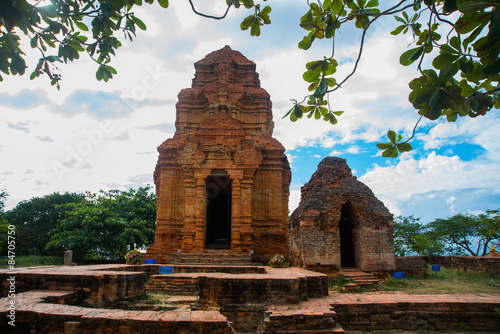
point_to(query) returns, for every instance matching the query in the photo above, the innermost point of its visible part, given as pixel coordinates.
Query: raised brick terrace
(240, 299)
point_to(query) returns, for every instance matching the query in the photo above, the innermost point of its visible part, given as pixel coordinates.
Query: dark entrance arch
(347, 258)
(218, 192)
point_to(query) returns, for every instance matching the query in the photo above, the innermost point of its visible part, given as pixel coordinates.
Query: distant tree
(107, 224)
(3, 197)
(469, 233)
(414, 238)
(3, 224)
(34, 220)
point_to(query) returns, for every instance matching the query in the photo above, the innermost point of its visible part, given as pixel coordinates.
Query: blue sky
(93, 135)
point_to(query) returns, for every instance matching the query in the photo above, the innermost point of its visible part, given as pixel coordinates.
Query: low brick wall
(490, 265)
(431, 316)
(414, 266)
(41, 318)
(216, 291)
(94, 288)
(418, 265)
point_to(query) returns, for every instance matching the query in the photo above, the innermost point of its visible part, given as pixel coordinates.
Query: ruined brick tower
(340, 223)
(222, 181)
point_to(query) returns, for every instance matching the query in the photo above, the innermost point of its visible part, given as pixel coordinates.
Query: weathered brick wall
(94, 289)
(332, 199)
(216, 292)
(431, 316)
(412, 266)
(489, 265)
(418, 265)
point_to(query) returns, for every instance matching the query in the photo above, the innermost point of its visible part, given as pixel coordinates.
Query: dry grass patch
(446, 281)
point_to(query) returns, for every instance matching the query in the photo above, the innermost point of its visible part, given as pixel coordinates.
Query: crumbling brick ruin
(222, 181)
(340, 223)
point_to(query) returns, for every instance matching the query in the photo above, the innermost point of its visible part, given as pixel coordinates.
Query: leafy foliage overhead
(465, 73)
(461, 37)
(63, 30)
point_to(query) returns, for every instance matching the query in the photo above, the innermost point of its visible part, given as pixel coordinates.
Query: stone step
(356, 278)
(174, 285)
(300, 318)
(210, 258)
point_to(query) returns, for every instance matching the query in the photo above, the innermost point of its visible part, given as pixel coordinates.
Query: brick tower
(222, 181)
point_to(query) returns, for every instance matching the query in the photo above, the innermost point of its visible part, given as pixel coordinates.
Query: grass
(446, 281)
(31, 261)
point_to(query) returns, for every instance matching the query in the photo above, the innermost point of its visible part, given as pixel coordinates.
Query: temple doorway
(218, 192)
(347, 258)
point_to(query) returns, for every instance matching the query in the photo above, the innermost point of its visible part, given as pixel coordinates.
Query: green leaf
(398, 30)
(111, 69)
(255, 29)
(443, 59)
(404, 147)
(99, 74)
(310, 76)
(266, 10)
(493, 68)
(307, 41)
(322, 89)
(392, 136)
(163, 3)
(245, 24)
(467, 23)
(408, 57)
(436, 99)
(447, 73)
(139, 23)
(391, 152)
(81, 25)
(17, 65)
(450, 5)
(384, 146)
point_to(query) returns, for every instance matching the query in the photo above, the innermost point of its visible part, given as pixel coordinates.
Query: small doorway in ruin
(218, 193)
(347, 256)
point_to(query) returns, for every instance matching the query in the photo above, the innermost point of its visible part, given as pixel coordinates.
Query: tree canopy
(461, 234)
(459, 38)
(35, 219)
(469, 234)
(411, 237)
(108, 224)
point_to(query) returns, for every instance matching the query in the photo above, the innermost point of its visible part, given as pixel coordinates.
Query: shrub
(278, 261)
(134, 257)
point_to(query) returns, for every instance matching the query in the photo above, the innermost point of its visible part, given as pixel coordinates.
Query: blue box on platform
(150, 261)
(399, 275)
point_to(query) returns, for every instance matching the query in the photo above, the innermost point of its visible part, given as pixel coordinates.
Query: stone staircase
(185, 285)
(356, 279)
(211, 258)
(312, 316)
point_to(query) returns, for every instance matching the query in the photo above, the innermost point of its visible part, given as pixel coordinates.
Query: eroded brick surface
(222, 144)
(337, 210)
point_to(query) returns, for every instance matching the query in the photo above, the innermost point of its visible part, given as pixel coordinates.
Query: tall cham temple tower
(222, 181)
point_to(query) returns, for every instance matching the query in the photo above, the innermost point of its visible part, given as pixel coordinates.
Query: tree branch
(210, 16)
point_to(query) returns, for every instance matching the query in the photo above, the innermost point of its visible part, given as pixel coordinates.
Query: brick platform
(370, 312)
(238, 294)
(35, 316)
(288, 300)
(389, 312)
